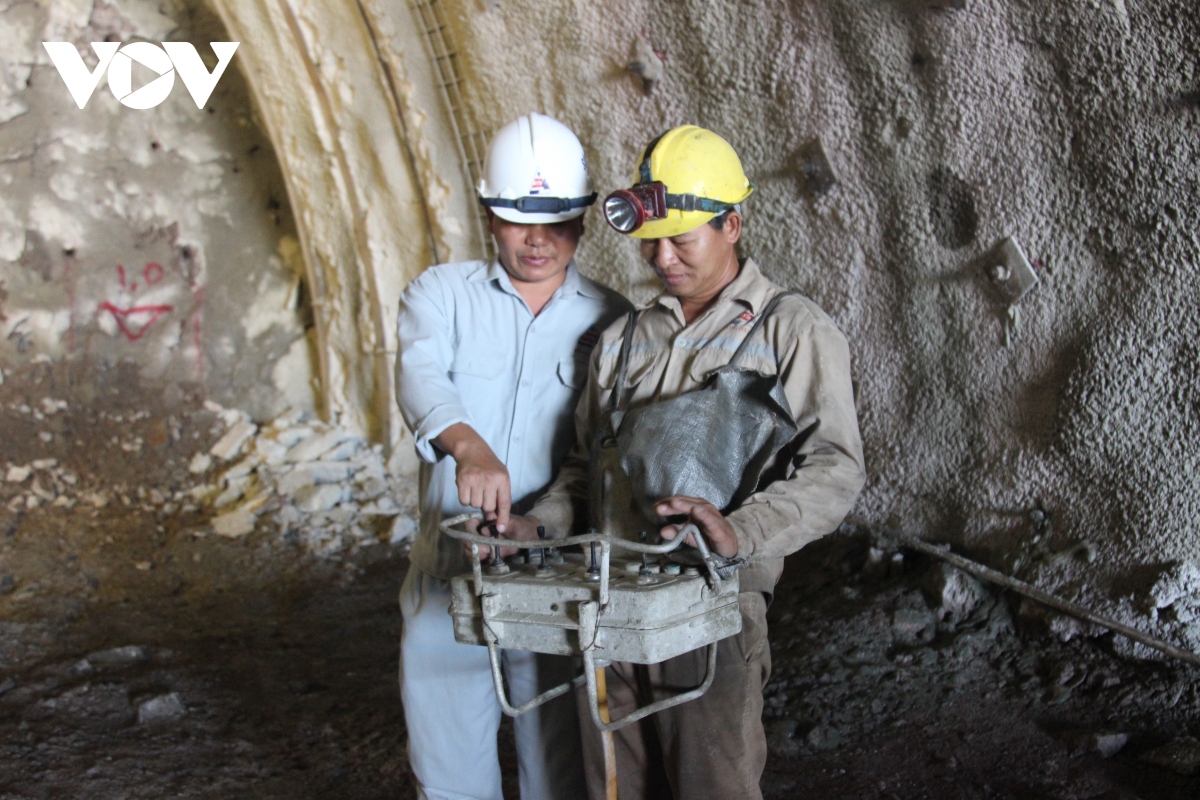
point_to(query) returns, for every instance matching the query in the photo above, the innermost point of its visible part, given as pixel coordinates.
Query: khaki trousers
(711, 747)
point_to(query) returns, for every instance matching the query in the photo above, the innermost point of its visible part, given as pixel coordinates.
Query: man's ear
(733, 227)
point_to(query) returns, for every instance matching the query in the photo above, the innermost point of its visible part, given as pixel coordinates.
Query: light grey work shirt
(471, 351)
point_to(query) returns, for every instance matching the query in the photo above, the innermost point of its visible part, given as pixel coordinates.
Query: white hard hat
(535, 172)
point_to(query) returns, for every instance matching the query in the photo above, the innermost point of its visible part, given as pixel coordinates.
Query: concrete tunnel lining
(1059, 443)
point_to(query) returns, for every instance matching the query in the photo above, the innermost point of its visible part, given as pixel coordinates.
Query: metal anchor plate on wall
(1009, 271)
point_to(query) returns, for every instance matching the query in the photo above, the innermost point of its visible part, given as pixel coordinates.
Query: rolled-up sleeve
(827, 469)
(428, 399)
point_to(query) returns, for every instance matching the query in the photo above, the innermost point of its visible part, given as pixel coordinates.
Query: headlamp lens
(624, 211)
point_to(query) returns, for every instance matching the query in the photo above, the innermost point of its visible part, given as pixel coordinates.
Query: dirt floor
(142, 656)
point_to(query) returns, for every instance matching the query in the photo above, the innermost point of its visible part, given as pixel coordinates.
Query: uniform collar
(574, 283)
(750, 288)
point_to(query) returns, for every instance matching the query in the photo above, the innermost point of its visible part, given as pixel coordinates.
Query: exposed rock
(1109, 744)
(403, 529)
(119, 656)
(313, 476)
(18, 474)
(953, 593)
(1180, 581)
(200, 463)
(234, 439)
(316, 446)
(314, 473)
(824, 737)
(320, 498)
(383, 507)
(234, 524)
(161, 709)
(913, 626)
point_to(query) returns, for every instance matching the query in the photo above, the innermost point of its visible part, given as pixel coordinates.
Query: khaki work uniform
(715, 746)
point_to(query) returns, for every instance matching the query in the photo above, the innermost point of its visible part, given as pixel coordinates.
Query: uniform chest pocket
(478, 362)
(710, 359)
(642, 364)
(573, 372)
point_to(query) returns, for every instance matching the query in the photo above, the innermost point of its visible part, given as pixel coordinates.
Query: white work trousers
(452, 714)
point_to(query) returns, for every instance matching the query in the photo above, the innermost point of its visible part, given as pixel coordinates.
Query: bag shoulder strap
(766, 312)
(623, 361)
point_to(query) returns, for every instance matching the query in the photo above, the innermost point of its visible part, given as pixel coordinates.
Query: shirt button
(526, 384)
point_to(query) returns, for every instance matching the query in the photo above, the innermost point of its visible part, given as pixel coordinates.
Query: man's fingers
(489, 500)
(503, 508)
(679, 505)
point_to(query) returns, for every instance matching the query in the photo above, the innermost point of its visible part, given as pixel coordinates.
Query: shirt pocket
(710, 359)
(478, 362)
(573, 372)
(642, 364)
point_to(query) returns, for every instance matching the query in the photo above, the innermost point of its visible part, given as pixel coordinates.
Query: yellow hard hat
(685, 177)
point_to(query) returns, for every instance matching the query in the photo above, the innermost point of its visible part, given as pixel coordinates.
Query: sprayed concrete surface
(1072, 127)
(162, 237)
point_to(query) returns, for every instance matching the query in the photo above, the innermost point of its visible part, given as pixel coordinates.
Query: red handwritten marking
(121, 272)
(122, 316)
(153, 273)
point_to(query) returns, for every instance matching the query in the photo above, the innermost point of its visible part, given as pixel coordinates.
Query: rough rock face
(160, 236)
(1072, 127)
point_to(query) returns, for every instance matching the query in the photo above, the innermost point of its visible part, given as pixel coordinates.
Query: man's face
(535, 253)
(696, 265)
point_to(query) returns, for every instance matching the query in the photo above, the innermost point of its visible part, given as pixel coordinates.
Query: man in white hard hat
(492, 359)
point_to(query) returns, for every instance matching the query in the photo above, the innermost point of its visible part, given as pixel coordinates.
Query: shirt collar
(574, 283)
(750, 288)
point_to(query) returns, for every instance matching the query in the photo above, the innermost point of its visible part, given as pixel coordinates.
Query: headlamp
(629, 209)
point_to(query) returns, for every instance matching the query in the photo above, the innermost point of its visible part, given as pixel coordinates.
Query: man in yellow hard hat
(716, 314)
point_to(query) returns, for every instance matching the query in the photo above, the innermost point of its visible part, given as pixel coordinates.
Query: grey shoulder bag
(713, 442)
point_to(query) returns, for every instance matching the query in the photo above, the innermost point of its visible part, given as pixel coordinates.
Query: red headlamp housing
(629, 209)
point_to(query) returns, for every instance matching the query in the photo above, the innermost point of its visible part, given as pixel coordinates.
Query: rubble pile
(318, 483)
(867, 639)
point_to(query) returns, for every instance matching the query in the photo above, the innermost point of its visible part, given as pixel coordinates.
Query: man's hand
(482, 478)
(704, 515)
(521, 529)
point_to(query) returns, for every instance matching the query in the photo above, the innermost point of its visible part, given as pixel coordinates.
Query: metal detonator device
(595, 604)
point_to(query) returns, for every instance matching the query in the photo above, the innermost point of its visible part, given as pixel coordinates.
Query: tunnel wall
(162, 237)
(1067, 450)
(1057, 438)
